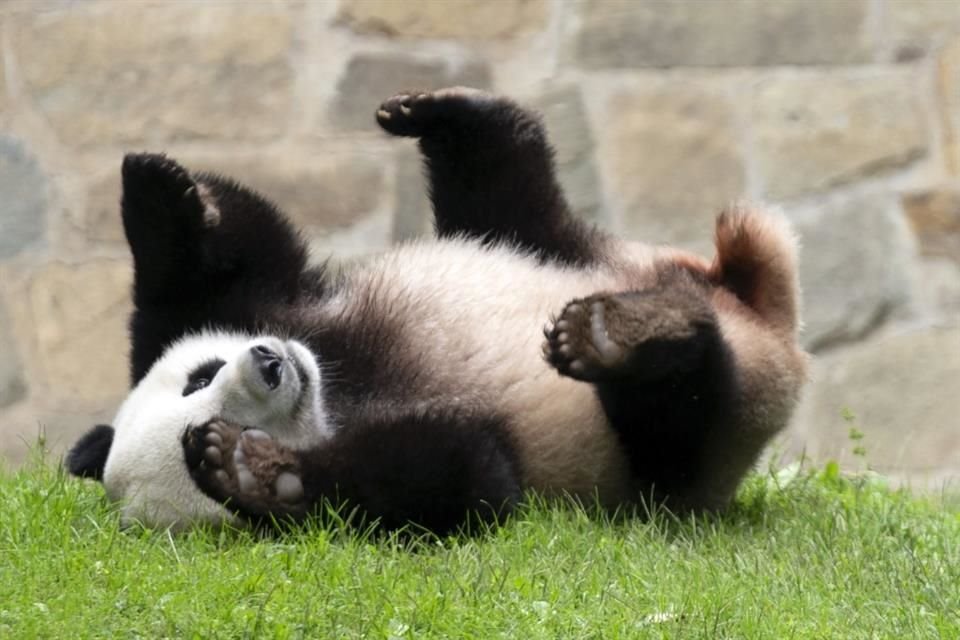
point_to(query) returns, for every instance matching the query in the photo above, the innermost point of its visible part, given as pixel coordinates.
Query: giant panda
(519, 349)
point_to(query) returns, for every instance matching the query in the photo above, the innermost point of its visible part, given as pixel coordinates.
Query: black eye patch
(202, 375)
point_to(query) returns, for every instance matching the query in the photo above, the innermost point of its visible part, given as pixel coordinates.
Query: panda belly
(471, 319)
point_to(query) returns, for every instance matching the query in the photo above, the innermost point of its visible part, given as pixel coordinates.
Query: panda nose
(269, 363)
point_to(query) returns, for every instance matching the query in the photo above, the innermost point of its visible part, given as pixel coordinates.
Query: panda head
(262, 382)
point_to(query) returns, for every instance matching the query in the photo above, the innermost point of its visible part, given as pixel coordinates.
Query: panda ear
(88, 456)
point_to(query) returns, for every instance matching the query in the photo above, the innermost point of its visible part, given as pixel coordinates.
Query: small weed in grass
(802, 554)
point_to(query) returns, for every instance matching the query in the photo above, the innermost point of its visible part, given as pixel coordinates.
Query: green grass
(822, 557)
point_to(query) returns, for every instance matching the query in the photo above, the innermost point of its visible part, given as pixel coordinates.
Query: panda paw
(154, 176)
(414, 113)
(645, 335)
(579, 345)
(246, 469)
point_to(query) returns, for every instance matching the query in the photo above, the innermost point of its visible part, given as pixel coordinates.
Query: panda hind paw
(578, 344)
(244, 468)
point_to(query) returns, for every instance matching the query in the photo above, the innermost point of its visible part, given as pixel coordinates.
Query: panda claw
(213, 438)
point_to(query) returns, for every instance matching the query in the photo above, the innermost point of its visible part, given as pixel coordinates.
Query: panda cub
(435, 383)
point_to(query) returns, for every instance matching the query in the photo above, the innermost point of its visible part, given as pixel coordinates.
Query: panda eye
(195, 385)
(202, 376)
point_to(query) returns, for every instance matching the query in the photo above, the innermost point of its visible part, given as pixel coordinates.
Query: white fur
(145, 470)
(475, 316)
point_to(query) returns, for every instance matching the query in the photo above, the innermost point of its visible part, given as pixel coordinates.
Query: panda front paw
(158, 181)
(245, 469)
(415, 113)
(579, 345)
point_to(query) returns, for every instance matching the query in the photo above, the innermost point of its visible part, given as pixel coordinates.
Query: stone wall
(846, 113)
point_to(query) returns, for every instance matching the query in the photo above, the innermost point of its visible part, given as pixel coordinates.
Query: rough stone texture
(949, 84)
(674, 160)
(855, 267)
(627, 33)
(937, 288)
(904, 395)
(102, 222)
(913, 27)
(470, 20)
(414, 214)
(934, 216)
(126, 73)
(818, 130)
(23, 202)
(369, 78)
(323, 191)
(13, 387)
(60, 423)
(78, 316)
(566, 120)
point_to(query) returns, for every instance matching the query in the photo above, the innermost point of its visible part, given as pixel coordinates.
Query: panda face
(262, 382)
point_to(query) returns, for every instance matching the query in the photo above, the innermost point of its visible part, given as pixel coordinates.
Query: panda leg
(205, 252)
(491, 171)
(663, 372)
(442, 473)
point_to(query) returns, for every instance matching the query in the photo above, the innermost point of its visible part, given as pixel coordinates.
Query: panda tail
(757, 261)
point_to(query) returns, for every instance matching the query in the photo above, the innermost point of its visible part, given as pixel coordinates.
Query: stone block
(902, 392)
(23, 207)
(565, 117)
(728, 33)
(102, 223)
(60, 423)
(817, 130)
(78, 318)
(470, 20)
(914, 27)
(134, 73)
(855, 267)
(414, 213)
(934, 215)
(672, 158)
(321, 191)
(949, 84)
(13, 385)
(369, 78)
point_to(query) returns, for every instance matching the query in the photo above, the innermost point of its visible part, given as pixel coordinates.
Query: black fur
(437, 470)
(190, 273)
(491, 172)
(89, 455)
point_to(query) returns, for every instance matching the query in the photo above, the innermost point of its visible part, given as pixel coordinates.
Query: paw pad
(578, 345)
(246, 466)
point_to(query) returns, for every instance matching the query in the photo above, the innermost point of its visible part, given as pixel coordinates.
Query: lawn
(808, 554)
